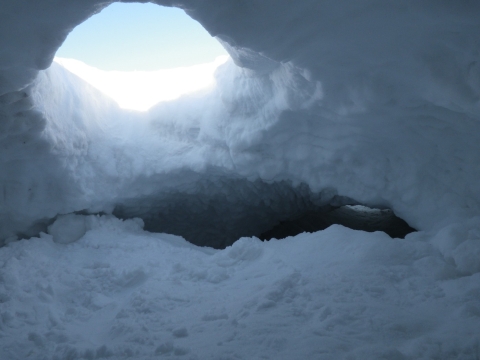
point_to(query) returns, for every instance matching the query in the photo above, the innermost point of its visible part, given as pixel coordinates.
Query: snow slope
(123, 293)
(368, 102)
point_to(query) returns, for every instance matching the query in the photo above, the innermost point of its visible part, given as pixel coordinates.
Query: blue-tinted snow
(374, 101)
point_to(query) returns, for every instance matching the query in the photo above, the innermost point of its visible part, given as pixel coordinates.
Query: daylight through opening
(142, 54)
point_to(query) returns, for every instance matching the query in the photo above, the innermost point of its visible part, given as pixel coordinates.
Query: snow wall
(323, 102)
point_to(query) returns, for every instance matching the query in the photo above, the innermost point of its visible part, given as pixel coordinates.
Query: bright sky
(144, 37)
(141, 54)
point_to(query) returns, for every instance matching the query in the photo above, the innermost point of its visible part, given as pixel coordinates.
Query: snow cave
(346, 133)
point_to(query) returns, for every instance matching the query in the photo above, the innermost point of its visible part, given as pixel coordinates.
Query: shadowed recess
(228, 209)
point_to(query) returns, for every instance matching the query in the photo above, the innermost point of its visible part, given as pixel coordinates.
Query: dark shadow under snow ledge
(355, 217)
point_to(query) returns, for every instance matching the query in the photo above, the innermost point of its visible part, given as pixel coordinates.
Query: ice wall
(377, 101)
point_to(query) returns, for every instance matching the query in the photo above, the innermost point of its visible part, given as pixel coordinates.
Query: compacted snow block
(68, 228)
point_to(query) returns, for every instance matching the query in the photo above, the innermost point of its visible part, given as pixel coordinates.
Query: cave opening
(217, 212)
(142, 54)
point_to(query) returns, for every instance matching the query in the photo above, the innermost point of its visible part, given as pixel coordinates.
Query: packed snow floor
(120, 292)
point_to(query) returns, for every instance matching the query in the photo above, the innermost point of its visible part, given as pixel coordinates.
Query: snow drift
(323, 103)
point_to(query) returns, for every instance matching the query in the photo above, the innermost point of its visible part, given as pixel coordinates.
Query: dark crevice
(353, 217)
(218, 211)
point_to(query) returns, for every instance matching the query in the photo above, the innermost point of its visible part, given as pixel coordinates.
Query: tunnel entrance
(216, 212)
(142, 54)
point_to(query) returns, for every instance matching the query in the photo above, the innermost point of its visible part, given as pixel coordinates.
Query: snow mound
(68, 228)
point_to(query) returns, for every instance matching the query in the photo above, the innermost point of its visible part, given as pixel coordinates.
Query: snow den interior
(207, 195)
(322, 104)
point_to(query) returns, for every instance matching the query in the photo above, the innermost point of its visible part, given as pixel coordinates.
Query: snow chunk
(68, 228)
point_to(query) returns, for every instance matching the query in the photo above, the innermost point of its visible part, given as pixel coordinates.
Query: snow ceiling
(325, 102)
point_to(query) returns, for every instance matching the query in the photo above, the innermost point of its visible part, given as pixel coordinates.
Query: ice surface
(375, 102)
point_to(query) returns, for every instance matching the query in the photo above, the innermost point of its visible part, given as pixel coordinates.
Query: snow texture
(323, 102)
(120, 293)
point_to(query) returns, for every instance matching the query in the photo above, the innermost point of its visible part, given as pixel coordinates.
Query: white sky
(143, 37)
(141, 54)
